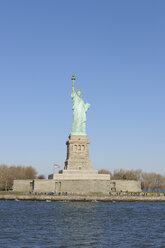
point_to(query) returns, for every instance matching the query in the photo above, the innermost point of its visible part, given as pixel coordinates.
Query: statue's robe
(79, 114)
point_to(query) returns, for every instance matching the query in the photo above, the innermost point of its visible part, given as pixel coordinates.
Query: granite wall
(23, 185)
(125, 185)
(72, 186)
(82, 186)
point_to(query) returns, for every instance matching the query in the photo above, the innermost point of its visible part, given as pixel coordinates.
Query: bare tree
(102, 171)
(153, 181)
(5, 177)
(8, 174)
(41, 176)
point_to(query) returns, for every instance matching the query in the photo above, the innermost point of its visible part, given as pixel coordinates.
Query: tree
(30, 173)
(102, 171)
(41, 176)
(127, 174)
(153, 181)
(5, 177)
(8, 174)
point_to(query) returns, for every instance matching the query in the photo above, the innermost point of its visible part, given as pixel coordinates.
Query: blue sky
(115, 49)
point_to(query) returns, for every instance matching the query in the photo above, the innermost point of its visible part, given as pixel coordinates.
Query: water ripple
(81, 224)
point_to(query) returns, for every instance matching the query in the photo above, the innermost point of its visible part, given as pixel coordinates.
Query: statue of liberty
(79, 111)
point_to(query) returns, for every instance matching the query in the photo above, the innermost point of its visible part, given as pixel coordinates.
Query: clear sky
(115, 48)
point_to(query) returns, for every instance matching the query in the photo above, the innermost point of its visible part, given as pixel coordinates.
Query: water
(81, 224)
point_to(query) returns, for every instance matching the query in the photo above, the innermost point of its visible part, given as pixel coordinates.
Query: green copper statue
(79, 111)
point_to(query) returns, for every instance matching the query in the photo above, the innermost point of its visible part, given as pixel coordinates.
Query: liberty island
(78, 177)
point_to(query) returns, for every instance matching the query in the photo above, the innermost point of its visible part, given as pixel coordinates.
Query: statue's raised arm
(79, 111)
(73, 83)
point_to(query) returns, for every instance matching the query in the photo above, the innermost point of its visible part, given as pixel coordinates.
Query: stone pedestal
(78, 177)
(77, 153)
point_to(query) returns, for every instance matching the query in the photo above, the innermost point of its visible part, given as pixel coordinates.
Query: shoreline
(101, 198)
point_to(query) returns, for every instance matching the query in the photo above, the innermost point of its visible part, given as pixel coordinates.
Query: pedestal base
(78, 153)
(81, 182)
(84, 172)
(80, 176)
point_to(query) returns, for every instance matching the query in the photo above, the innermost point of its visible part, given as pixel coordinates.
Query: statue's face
(79, 93)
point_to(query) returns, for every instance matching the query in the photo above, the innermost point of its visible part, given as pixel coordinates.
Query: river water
(81, 224)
